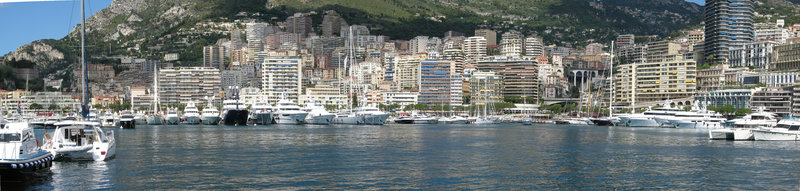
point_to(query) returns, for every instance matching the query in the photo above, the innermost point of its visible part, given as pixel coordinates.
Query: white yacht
(455, 119)
(348, 118)
(785, 130)
(108, 120)
(372, 115)
(743, 127)
(156, 118)
(139, 118)
(23, 156)
(81, 140)
(416, 119)
(172, 116)
(234, 112)
(261, 113)
(317, 114)
(127, 121)
(191, 115)
(287, 112)
(697, 120)
(210, 115)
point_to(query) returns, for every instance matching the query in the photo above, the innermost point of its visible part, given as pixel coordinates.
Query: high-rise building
(786, 56)
(214, 56)
(625, 40)
(474, 49)
(407, 72)
(282, 76)
(435, 83)
(756, 54)
(728, 25)
(489, 35)
(485, 87)
(331, 23)
(511, 43)
(185, 84)
(672, 77)
(534, 47)
(299, 23)
(594, 48)
(520, 77)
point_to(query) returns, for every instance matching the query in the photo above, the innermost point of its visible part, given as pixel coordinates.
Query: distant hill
(151, 28)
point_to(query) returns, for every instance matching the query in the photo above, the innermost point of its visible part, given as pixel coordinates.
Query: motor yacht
(416, 119)
(372, 115)
(80, 140)
(317, 115)
(155, 119)
(234, 112)
(23, 156)
(108, 120)
(743, 127)
(209, 115)
(172, 117)
(287, 112)
(455, 119)
(348, 118)
(127, 121)
(785, 130)
(191, 115)
(261, 113)
(139, 118)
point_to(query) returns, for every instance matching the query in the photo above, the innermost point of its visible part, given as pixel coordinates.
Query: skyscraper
(728, 25)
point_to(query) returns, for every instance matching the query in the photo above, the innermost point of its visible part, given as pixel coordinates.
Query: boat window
(8, 137)
(794, 128)
(785, 126)
(756, 117)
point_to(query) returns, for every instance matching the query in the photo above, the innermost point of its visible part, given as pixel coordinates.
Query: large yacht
(455, 119)
(172, 117)
(109, 120)
(287, 112)
(81, 140)
(210, 115)
(743, 127)
(261, 113)
(317, 114)
(139, 118)
(234, 112)
(416, 119)
(127, 120)
(29, 160)
(191, 115)
(347, 118)
(372, 115)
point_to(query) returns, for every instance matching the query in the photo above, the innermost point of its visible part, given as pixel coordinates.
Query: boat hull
(404, 121)
(128, 124)
(140, 121)
(235, 117)
(349, 120)
(698, 125)
(375, 119)
(213, 120)
(263, 119)
(155, 120)
(426, 121)
(743, 135)
(642, 122)
(766, 135)
(320, 119)
(292, 119)
(602, 122)
(191, 120)
(20, 169)
(173, 120)
(720, 134)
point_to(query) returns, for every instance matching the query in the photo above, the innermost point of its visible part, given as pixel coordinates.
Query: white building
(511, 44)
(400, 98)
(324, 95)
(534, 47)
(184, 84)
(474, 49)
(757, 54)
(282, 76)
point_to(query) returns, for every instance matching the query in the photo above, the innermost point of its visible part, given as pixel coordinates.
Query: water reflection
(431, 157)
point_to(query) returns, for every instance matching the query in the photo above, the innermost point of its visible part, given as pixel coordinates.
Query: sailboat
(81, 140)
(155, 118)
(348, 116)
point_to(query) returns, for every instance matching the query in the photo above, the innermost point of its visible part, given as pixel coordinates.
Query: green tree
(331, 107)
(555, 108)
(35, 106)
(53, 107)
(66, 109)
(98, 106)
(743, 111)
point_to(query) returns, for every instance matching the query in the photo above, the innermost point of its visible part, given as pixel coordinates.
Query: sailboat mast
(85, 76)
(611, 89)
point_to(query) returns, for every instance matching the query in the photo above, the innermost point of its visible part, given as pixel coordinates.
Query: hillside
(150, 28)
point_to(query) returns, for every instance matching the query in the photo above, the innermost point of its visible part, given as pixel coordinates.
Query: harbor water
(428, 157)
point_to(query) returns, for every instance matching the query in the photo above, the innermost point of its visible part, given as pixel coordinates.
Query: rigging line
(71, 16)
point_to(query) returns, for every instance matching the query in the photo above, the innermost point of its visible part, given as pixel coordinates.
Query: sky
(24, 22)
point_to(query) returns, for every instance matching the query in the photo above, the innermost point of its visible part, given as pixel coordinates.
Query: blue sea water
(428, 157)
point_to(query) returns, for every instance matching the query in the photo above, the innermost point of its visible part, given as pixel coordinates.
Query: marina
(432, 157)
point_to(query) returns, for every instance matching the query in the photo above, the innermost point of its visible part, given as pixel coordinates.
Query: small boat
(405, 119)
(424, 119)
(786, 130)
(127, 120)
(606, 121)
(743, 127)
(172, 116)
(191, 115)
(155, 119)
(81, 140)
(453, 120)
(287, 112)
(18, 136)
(317, 115)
